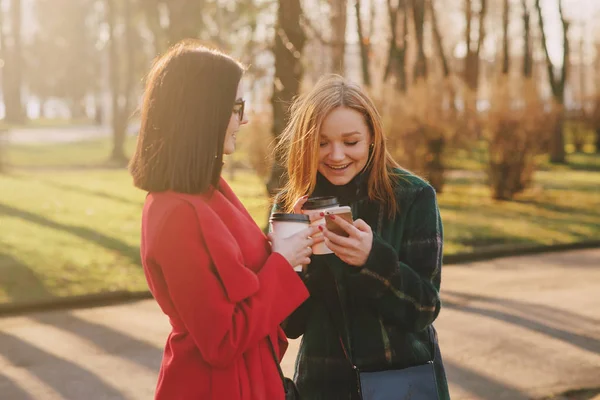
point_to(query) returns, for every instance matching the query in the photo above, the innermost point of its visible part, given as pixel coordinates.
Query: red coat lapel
(212, 211)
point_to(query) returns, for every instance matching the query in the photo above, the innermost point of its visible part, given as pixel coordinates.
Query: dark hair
(187, 105)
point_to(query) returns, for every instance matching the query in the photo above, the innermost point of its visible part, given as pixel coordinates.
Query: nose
(244, 120)
(337, 153)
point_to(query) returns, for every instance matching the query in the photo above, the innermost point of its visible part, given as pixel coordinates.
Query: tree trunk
(289, 44)
(151, 10)
(121, 92)
(527, 54)
(597, 140)
(338, 37)
(3, 140)
(396, 63)
(557, 141)
(420, 67)
(365, 46)
(41, 102)
(185, 19)
(77, 109)
(439, 45)
(505, 49)
(472, 58)
(13, 68)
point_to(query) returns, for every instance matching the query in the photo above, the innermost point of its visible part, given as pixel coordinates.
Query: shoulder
(158, 203)
(168, 210)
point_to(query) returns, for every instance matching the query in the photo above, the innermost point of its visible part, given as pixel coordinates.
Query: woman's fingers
(362, 225)
(337, 249)
(299, 203)
(345, 225)
(337, 239)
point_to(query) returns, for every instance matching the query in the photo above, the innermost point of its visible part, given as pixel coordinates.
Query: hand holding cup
(297, 248)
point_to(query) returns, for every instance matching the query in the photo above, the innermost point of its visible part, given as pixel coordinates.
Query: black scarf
(353, 191)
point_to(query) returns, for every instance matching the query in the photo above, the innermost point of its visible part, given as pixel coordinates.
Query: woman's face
(344, 145)
(238, 118)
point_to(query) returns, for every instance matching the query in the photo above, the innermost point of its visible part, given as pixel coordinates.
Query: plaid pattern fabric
(387, 304)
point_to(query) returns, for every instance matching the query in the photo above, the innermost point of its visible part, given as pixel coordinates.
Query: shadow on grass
(18, 281)
(109, 340)
(560, 208)
(97, 193)
(72, 381)
(84, 233)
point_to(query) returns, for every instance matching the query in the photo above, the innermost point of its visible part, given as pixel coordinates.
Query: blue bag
(413, 383)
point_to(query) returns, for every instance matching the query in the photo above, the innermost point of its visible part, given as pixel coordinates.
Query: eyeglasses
(238, 108)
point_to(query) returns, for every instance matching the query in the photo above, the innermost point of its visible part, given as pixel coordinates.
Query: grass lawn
(81, 154)
(68, 231)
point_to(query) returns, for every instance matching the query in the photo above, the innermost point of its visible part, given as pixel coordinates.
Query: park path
(62, 134)
(511, 328)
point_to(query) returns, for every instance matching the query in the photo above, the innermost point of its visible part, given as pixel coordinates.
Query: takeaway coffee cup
(328, 205)
(287, 225)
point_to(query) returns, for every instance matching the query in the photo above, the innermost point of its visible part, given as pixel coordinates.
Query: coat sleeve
(405, 287)
(221, 329)
(294, 326)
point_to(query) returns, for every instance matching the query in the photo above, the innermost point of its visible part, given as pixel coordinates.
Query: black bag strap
(276, 359)
(331, 295)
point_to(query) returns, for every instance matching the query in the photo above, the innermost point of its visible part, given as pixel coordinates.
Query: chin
(229, 150)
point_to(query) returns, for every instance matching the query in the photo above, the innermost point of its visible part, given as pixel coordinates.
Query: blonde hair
(299, 142)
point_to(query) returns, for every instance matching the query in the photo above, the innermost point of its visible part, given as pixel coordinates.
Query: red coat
(210, 268)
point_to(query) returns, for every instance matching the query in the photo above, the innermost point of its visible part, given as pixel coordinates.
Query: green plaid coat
(387, 305)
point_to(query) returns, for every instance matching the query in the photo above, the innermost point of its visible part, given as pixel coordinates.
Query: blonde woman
(373, 301)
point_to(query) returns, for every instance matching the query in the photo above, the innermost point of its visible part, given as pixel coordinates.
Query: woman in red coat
(224, 287)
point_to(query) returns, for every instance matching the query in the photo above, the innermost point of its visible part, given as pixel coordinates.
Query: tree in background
(398, 44)
(289, 44)
(420, 66)
(12, 71)
(473, 55)
(337, 19)
(437, 37)
(185, 18)
(527, 51)
(121, 59)
(557, 83)
(63, 60)
(505, 47)
(364, 39)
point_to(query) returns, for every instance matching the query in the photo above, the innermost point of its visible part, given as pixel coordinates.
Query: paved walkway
(62, 134)
(511, 329)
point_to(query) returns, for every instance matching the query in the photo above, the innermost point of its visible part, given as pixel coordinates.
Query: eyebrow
(344, 135)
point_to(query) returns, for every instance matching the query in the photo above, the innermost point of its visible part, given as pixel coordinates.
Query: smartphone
(335, 228)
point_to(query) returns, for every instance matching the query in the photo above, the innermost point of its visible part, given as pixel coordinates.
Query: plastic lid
(290, 217)
(316, 203)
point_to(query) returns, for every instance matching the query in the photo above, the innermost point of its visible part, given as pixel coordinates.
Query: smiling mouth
(338, 167)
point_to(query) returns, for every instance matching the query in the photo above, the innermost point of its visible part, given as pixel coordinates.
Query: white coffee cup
(329, 205)
(286, 225)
